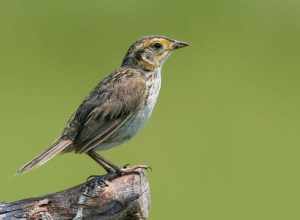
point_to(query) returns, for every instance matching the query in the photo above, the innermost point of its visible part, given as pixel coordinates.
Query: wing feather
(115, 101)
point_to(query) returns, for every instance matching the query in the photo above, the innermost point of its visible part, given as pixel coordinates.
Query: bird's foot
(133, 169)
(118, 172)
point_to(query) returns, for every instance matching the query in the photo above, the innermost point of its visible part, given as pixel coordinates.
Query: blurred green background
(224, 138)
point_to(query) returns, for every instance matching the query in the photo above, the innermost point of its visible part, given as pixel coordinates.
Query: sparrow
(117, 108)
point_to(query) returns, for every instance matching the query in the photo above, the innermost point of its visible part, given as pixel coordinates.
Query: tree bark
(125, 197)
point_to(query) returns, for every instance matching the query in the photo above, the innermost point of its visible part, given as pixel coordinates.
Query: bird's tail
(45, 156)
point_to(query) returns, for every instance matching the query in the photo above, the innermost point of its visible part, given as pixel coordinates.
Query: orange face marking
(165, 42)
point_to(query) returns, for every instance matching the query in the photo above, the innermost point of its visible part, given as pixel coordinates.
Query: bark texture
(102, 198)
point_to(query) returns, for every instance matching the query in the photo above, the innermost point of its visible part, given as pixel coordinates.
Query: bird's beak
(179, 44)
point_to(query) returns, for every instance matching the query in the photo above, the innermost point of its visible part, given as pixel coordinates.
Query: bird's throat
(147, 64)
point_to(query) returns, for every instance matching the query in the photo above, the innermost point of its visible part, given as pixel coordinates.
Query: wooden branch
(102, 198)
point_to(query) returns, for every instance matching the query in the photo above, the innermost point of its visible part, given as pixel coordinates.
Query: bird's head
(151, 52)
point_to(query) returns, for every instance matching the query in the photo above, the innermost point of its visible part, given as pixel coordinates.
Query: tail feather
(44, 157)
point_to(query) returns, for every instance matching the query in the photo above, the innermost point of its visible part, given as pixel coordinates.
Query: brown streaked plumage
(118, 107)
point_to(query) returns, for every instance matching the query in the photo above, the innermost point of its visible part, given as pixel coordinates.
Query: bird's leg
(113, 170)
(108, 166)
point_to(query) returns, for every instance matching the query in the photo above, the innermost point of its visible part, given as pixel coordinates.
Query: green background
(223, 141)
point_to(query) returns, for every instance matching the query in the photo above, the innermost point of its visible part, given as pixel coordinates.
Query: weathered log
(125, 197)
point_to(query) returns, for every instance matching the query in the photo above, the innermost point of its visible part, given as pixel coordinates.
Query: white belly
(138, 122)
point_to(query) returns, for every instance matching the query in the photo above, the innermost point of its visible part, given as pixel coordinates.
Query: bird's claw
(129, 170)
(126, 165)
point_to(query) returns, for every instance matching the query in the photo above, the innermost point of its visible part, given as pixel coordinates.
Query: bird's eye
(157, 46)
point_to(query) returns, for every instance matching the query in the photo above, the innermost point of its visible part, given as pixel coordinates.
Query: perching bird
(118, 107)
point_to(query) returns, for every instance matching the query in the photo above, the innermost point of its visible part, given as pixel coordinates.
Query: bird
(117, 108)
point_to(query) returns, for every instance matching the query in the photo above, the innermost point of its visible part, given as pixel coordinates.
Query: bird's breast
(153, 85)
(153, 88)
(130, 128)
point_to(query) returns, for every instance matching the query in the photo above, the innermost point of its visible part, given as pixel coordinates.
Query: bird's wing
(107, 109)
